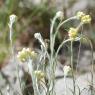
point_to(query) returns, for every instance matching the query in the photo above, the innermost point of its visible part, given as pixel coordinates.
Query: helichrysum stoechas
(66, 70)
(39, 74)
(72, 33)
(83, 17)
(26, 54)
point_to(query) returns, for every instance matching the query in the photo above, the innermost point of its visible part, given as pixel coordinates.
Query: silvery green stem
(37, 86)
(11, 43)
(79, 26)
(79, 50)
(72, 68)
(8, 90)
(12, 50)
(33, 77)
(60, 46)
(51, 35)
(78, 58)
(51, 56)
(65, 84)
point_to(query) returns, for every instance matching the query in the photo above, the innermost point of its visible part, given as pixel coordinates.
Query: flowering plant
(43, 75)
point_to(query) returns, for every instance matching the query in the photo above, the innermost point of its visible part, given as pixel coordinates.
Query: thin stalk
(37, 86)
(12, 52)
(79, 26)
(32, 75)
(79, 48)
(51, 35)
(72, 69)
(65, 85)
(11, 42)
(92, 66)
(51, 56)
(60, 46)
(92, 61)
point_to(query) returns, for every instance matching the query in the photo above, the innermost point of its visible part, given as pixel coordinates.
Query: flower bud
(12, 19)
(37, 35)
(66, 70)
(60, 15)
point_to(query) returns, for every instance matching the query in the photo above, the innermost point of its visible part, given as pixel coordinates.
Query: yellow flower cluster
(83, 17)
(86, 19)
(79, 15)
(39, 74)
(73, 32)
(25, 54)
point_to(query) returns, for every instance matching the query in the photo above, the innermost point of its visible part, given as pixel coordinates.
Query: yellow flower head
(86, 19)
(80, 14)
(73, 33)
(25, 54)
(39, 74)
